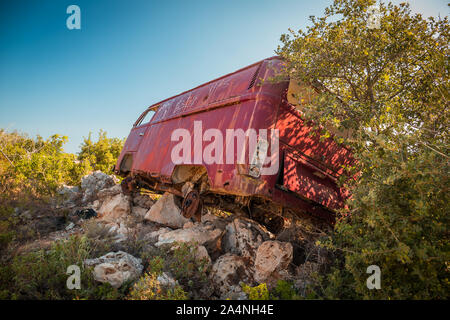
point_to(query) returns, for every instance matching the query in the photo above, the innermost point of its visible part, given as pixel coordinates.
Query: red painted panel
(301, 179)
(297, 134)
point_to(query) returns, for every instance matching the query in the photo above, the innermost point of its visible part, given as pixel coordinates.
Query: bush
(181, 262)
(36, 167)
(42, 274)
(149, 288)
(260, 292)
(284, 290)
(103, 154)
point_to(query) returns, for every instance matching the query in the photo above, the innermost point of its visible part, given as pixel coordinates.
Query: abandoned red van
(237, 142)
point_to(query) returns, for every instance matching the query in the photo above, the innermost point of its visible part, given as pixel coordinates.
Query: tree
(387, 89)
(103, 154)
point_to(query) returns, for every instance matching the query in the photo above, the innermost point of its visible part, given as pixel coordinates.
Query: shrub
(42, 274)
(284, 290)
(102, 154)
(180, 261)
(149, 288)
(36, 167)
(259, 292)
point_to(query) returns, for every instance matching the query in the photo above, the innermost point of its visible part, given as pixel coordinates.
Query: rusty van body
(307, 171)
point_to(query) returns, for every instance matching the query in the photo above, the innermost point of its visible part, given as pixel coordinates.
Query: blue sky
(129, 55)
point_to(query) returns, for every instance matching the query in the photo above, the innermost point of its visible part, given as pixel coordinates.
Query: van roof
(206, 83)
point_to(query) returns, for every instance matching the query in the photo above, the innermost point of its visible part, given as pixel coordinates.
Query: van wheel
(192, 206)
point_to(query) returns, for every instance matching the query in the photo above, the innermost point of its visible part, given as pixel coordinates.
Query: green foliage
(260, 292)
(149, 288)
(36, 166)
(284, 290)
(182, 262)
(156, 265)
(103, 154)
(6, 228)
(42, 274)
(385, 91)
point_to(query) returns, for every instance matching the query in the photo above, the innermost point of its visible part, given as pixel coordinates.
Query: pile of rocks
(239, 249)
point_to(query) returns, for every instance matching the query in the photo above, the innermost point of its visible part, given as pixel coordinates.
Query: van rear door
(309, 182)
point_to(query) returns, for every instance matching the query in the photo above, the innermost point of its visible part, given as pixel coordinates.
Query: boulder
(188, 225)
(166, 211)
(109, 192)
(139, 212)
(166, 281)
(142, 200)
(243, 237)
(227, 273)
(209, 218)
(152, 237)
(205, 235)
(202, 253)
(115, 208)
(70, 194)
(92, 183)
(217, 222)
(272, 260)
(115, 268)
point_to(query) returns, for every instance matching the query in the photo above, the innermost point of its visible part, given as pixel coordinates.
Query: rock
(112, 227)
(209, 218)
(227, 273)
(139, 212)
(69, 193)
(142, 200)
(26, 215)
(95, 205)
(205, 235)
(243, 237)
(92, 183)
(202, 253)
(188, 225)
(70, 226)
(123, 229)
(166, 211)
(68, 190)
(272, 259)
(166, 281)
(115, 208)
(109, 192)
(216, 221)
(152, 237)
(115, 268)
